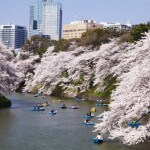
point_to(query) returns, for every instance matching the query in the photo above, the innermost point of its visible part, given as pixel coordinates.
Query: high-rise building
(13, 36)
(46, 18)
(77, 28)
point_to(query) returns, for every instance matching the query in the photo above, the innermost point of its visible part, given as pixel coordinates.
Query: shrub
(110, 84)
(126, 37)
(138, 32)
(135, 34)
(62, 45)
(93, 38)
(99, 36)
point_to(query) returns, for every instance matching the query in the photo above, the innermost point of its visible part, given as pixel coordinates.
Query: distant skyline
(137, 11)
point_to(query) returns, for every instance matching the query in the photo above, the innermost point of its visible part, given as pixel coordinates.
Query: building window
(34, 24)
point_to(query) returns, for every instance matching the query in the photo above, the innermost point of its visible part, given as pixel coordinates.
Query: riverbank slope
(4, 102)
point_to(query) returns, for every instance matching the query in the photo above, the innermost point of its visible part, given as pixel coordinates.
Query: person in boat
(35, 107)
(99, 137)
(74, 106)
(64, 105)
(100, 101)
(87, 120)
(89, 114)
(39, 105)
(53, 110)
(134, 122)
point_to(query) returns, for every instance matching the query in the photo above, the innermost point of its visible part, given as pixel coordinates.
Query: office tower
(13, 36)
(46, 19)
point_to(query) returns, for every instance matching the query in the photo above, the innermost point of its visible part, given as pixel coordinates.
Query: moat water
(22, 129)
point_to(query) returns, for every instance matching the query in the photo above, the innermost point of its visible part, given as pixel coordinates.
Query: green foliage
(4, 102)
(138, 32)
(94, 38)
(79, 82)
(99, 36)
(135, 34)
(126, 37)
(62, 45)
(64, 74)
(38, 45)
(110, 85)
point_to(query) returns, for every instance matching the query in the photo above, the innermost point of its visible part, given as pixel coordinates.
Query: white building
(116, 25)
(13, 36)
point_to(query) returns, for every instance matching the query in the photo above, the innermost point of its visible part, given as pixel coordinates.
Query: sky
(136, 11)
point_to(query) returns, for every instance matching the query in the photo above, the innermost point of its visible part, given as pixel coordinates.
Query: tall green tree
(38, 45)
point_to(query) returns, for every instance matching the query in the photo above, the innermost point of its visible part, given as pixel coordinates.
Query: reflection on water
(22, 129)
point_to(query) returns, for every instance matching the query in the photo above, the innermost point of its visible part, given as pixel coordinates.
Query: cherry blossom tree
(8, 76)
(128, 62)
(131, 100)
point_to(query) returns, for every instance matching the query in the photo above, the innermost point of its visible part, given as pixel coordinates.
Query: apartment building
(77, 28)
(13, 36)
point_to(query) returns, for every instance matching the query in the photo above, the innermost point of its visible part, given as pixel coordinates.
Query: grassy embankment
(110, 84)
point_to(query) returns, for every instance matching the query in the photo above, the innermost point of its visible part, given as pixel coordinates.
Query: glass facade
(46, 19)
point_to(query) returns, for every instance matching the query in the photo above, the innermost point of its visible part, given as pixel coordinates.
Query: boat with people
(37, 95)
(102, 104)
(89, 115)
(63, 106)
(74, 107)
(100, 100)
(79, 99)
(37, 108)
(98, 139)
(53, 112)
(87, 123)
(134, 124)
